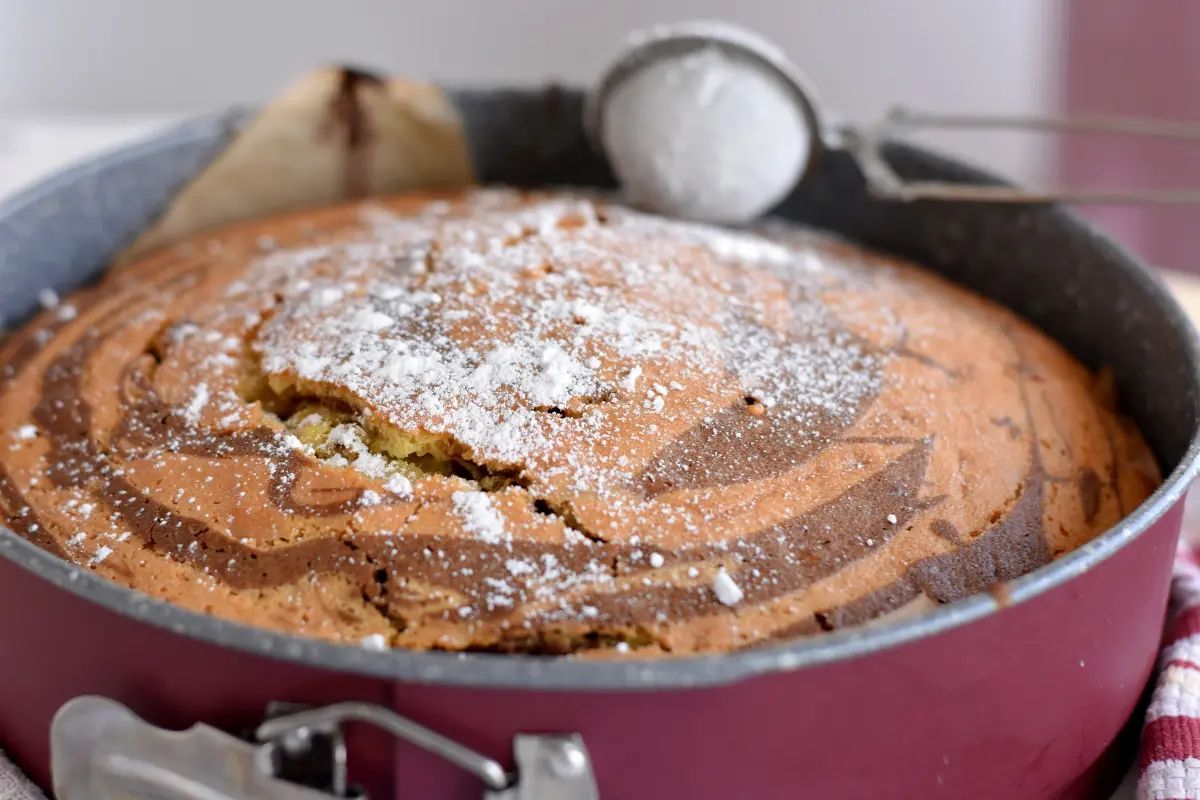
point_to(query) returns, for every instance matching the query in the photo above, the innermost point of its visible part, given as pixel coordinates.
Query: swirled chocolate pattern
(541, 423)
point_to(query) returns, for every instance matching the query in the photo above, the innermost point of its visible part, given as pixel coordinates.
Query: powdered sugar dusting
(400, 486)
(554, 346)
(480, 517)
(350, 438)
(102, 552)
(197, 404)
(519, 309)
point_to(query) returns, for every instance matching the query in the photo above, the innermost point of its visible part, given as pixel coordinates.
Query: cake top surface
(547, 423)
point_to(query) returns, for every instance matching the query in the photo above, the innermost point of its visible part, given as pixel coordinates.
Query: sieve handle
(865, 145)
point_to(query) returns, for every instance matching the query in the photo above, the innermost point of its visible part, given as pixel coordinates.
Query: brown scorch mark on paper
(348, 123)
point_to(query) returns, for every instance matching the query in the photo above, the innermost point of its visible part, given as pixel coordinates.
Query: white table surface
(33, 148)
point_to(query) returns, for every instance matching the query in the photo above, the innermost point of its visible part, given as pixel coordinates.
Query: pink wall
(1143, 58)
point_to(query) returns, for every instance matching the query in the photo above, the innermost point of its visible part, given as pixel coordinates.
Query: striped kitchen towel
(1170, 758)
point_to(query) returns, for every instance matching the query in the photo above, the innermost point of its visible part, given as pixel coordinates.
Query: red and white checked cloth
(1169, 766)
(13, 785)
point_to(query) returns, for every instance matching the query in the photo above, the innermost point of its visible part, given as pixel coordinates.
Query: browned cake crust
(540, 423)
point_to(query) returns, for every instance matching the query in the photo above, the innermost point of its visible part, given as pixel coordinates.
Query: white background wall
(71, 56)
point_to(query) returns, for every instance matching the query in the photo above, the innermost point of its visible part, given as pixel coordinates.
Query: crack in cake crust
(534, 423)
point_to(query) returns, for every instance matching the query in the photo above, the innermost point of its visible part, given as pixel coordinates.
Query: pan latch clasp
(103, 751)
(549, 767)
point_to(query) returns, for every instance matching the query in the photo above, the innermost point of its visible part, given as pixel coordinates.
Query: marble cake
(514, 422)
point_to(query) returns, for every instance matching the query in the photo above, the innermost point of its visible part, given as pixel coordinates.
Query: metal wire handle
(865, 145)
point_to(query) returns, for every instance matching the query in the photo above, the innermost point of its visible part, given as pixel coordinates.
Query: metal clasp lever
(865, 145)
(102, 751)
(549, 767)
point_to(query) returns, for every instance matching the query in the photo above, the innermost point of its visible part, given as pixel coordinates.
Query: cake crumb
(375, 641)
(1000, 593)
(400, 486)
(726, 590)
